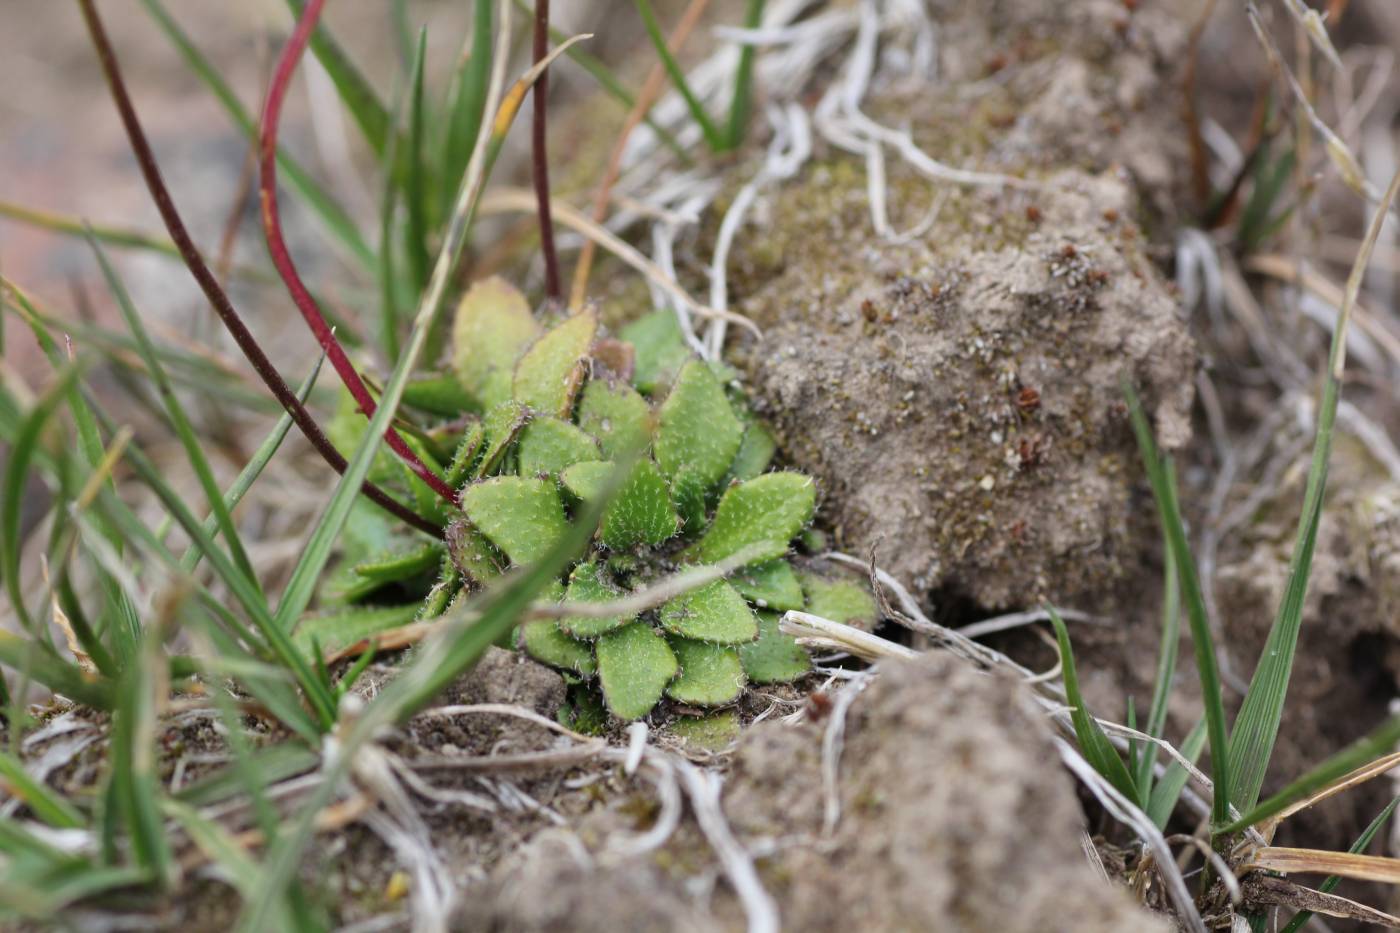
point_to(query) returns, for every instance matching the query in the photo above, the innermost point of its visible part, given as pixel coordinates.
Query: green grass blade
(742, 105)
(1379, 742)
(135, 781)
(1166, 791)
(21, 454)
(45, 803)
(1166, 663)
(1162, 478)
(39, 662)
(1256, 726)
(111, 236)
(713, 138)
(356, 93)
(467, 102)
(184, 430)
(1301, 918)
(251, 600)
(415, 191)
(253, 469)
(1093, 743)
(331, 214)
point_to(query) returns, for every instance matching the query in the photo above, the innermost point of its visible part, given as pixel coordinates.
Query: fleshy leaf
(547, 643)
(402, 565)
(502, 425)
(464, 459)
(548, 445)
(520, 515)
(763, 513)
(551, 371)
(641, 513)
(770, 585)
(774, 658)
(688, 494)
(441, 394)
(756, 450)
(333, 631)
(492, 329)
(712, 733)
(840, 598)
(617, 416)
(696, 428)
(589, 583)
(714, 612)
(711, 675)
(660, 349)
(471, 552)
(634, 666)
(586, 480)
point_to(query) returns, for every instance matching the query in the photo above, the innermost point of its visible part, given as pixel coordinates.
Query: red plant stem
(539, 156)
(217, 297)
(282, 258)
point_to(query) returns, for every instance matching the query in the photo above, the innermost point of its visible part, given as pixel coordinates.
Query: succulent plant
(540, 420)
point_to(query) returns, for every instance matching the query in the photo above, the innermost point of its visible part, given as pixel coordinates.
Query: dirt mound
(957, 392)
(949, 819)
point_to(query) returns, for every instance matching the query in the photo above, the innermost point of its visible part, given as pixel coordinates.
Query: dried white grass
(1129, 814)
(833, 740)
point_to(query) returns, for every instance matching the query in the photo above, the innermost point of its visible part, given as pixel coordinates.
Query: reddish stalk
(539, 156)
(282, 258)
(215, 294)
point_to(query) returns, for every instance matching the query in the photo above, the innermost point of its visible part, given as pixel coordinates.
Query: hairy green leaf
(617, 416)
(634, 666)
(711, 675)
(714, 612)
(549, 445)
(590, 583)
(764, 514)
(492, 329)
(549, 375)
(696, 427)
(520, 515)
(774, 658)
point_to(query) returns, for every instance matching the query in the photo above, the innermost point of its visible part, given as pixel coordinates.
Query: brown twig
(282, 257)
(539, 156)
(215, 294)
(651, 90)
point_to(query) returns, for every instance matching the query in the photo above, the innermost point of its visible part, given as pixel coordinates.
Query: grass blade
(1368, 748)
(713, 138)
(1256, 726)
(1166, 663)
(1162, 801)
(22, 452)
(184, 430)
(136, 786)
(467, 101)
(1093, 743)
(251, 600)
(46, 804)
(1162, 478)
(332, 215)
(742, 105)
(1301, 918)
(253, 469)
(415, 192)
(356, 93)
